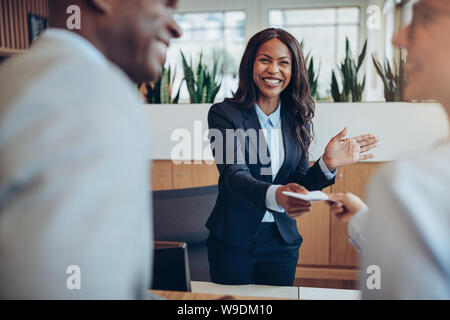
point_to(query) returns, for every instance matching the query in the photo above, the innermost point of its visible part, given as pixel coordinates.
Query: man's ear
(103, 6)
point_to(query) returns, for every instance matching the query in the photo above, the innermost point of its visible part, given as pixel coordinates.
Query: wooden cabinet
(194, 175)
(327, 259)
(349, 179)
(162, 175)
(315, 230)
(183, 176)
(325, 239)
(167, 175)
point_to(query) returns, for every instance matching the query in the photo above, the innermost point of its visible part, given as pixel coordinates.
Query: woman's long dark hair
(296, 98)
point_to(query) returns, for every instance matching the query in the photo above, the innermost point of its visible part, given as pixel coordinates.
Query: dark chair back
(171, 267)
(180, 215)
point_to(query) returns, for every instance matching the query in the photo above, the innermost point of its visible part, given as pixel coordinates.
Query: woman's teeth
(272, 82)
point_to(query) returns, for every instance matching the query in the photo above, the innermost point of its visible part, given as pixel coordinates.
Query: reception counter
(404, 128)
(327, 259)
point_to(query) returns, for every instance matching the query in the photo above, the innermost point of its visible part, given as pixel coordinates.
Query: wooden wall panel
(20, 24)
(24, 20)
(33, 6)
(41, 7)
(2, 27)
(17, 34)
(6, 24)
(352, 179)
(11, 25)
(28, 9)
(38, 7)
(14, 32)
(315, 230)
(8, 31)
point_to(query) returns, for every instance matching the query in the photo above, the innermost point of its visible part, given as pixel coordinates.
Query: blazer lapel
(290, 150)
(251, 121)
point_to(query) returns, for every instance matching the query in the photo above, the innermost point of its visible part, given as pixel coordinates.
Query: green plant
(161, 90)
(393, 79)
(313, 75)
(203, 84)
(352, 89)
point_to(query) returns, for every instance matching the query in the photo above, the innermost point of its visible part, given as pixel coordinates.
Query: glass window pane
(234, 35)
(235, 19)
(348, 15)
(219, 34)
(309, 16)
(199, 20)
(232, 55)
(206, 35)
(276, 18)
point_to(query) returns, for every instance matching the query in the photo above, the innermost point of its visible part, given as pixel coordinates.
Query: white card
(311, 196)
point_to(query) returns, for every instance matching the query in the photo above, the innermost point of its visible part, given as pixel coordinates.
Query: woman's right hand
(294, 207)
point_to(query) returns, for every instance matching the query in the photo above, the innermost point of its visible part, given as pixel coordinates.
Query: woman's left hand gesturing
(342, 151)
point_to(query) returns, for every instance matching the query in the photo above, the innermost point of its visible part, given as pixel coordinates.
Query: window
(213, 33)
(323, 32)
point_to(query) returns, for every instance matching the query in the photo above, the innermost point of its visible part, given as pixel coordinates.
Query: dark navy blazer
(240, 205)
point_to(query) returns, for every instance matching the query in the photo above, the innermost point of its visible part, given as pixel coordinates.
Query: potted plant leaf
(313, 75)
(161, 91)
(203, 83)
(352, 89)
(393, 79)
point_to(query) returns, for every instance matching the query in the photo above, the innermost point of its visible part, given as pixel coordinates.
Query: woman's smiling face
(272, 69)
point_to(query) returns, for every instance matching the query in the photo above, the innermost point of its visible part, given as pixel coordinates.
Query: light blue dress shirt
(271, 127)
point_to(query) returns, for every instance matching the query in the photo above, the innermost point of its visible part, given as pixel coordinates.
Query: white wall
(405, 128)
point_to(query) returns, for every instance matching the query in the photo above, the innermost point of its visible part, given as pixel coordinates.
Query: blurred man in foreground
(75, 217)
(408, 229)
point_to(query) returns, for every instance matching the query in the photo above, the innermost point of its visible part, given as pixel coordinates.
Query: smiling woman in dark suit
(253, 234)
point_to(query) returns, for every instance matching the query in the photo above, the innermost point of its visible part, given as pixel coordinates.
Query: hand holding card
(294, 207)
(311, 196)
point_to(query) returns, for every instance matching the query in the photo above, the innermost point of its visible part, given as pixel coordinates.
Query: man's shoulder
(424, 179)
(412, 196)
(43, 74)
(57, 87)
(433, 163)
